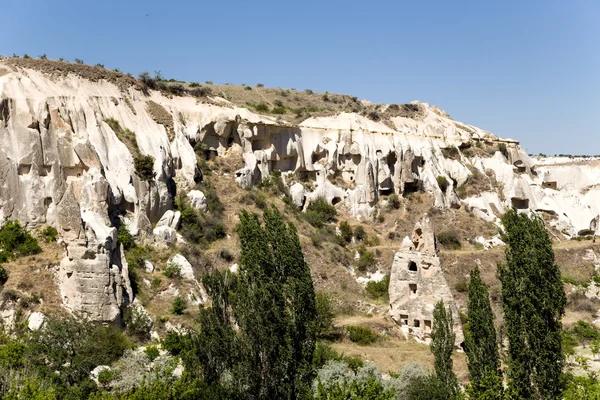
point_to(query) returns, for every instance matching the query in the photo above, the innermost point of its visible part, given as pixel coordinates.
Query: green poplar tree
(534, 301)
(442, 345)
(260, 332)
(274, 308)
(481, 345)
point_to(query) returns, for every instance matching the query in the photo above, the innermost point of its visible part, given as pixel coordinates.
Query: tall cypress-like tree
(533, 300)
(274, 308)
(480, 340)
(260, 332)
(442, 345)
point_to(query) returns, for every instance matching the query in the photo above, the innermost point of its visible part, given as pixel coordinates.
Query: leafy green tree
(480, 340)
(260, 331)
(324, 318)
(427, 387)
(442, 345)
(319, 212)
(346, 231)
(534, 301)
(69, 348)
(275, 307)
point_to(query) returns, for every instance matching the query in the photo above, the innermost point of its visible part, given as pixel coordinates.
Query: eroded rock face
(64, 163)
(417, 283)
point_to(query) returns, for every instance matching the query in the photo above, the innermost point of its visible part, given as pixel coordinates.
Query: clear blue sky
(528, 70)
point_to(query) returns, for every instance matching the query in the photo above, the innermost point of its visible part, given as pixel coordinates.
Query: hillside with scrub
(183, 240)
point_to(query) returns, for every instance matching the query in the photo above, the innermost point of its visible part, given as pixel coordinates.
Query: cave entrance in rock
(427, 324)
(335, 200)
(386, 191)
(412, 266)
(417, 323)
(403, 319)
(413, 288)
(411, 187)
(520, 204)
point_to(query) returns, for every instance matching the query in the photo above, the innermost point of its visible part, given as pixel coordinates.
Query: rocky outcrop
(64, 162)
(417, 283)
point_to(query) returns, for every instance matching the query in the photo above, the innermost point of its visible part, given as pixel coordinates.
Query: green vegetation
(124, 135)
(346, 231)
(442, 183)
(361, 335)
(394, 202)
(3, 276)
(451, 153)
(49, 234)
(480, 342)
(442, 344)
(272, 302)
(365, 260)
(144, 167)
(449, 239)
(379, 289)
(16, 242)
(172, 270)
(533, 300)
(179, 306)
(319, 212)
(359, 232)
(502, 149)
(324, 315)
(199, 227)
(125, 237)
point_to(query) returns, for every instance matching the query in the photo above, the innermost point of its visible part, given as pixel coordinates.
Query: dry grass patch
(161, 116)
(63, 68)
(35, 276)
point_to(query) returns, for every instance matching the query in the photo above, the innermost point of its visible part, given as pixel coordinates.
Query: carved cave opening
(412, 266)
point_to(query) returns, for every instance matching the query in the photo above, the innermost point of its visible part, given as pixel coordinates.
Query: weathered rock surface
(62, 164)
(35, 321)
(417, 283)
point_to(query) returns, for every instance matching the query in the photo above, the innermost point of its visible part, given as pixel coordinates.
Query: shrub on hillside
(359, 232)
(138, 323)
(346, 231)
(152, 352)
(262, 107)
(449, 239)
(319, 212)
(585, 332)
(144, 167)
(442, 183)
(451, 152)
(49, 234)
(199, 227)
(125, 237)
(365, 260)
(15, 241)
(201, 92)
(179, 306)
(213, 202)
(394, 202)
(361, 335)
(502, 149)
(172, 270)
(379, 289)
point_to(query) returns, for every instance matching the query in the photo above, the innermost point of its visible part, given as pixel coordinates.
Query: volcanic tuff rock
(64, 162)
(417, 283)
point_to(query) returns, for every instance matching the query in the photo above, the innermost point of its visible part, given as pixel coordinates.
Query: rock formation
(65, 162)
(417, 283)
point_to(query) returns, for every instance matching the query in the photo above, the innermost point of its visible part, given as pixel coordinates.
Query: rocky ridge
(65, 163)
